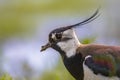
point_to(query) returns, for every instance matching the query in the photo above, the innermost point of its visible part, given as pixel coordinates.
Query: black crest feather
(93, 17)
(90, 19)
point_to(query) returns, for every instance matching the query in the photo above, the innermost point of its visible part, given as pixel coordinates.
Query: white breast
(89, 75)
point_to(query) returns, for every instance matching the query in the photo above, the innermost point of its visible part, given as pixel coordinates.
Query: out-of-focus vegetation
(6, 77)
(88, 40)
(18, 17)
(59, 73)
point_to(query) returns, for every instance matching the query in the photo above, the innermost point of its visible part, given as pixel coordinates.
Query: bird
(85, 61)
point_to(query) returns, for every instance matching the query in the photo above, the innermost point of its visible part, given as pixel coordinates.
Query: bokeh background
(25, 25)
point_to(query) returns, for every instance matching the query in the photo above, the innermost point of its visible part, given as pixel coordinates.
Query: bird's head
(61, 38)
(64, 38)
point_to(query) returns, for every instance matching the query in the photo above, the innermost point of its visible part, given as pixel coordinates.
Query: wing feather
(104, 60)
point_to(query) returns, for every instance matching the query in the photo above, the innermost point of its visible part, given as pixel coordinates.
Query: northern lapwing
(85, 61)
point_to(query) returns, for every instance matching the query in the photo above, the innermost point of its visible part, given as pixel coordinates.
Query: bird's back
(103, 61)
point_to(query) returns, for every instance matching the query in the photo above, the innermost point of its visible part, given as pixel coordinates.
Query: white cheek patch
(53, 36)
(69, 47)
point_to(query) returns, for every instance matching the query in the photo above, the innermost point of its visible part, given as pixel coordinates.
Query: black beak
(43, 48)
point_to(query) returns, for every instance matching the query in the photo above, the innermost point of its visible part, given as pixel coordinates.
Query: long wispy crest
(93, 17)
(86, 21)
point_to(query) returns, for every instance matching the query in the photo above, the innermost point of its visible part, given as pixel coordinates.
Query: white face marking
(70, 46)
(89, 75)
(53, 36)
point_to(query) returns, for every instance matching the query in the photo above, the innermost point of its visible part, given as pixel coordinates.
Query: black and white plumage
(85, 61)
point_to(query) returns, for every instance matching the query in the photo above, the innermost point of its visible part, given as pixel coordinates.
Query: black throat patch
(74, 65)
(57, 48)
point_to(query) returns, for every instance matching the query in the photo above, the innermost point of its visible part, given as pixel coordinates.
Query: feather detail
(104, 60)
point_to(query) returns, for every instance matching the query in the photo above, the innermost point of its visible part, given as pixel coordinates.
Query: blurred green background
(25, 25)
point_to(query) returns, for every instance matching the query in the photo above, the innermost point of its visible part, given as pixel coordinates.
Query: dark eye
(58, 35)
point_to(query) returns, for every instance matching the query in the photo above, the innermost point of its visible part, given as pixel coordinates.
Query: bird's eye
(58, 35)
